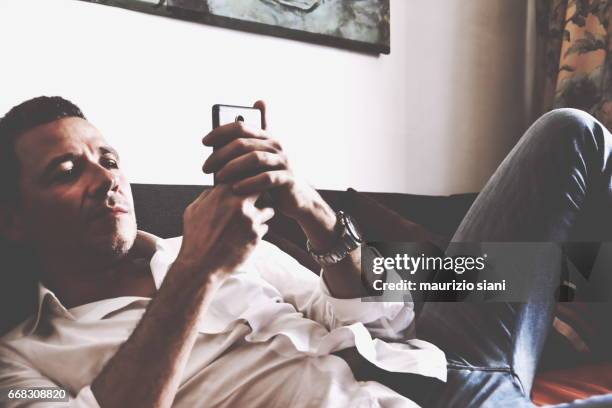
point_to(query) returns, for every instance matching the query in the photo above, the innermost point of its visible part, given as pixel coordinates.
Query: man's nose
(103, 180)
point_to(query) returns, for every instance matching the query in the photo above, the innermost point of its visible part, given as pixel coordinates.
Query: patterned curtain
(574, 54)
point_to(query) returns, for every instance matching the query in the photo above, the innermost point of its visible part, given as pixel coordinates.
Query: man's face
(73, 193)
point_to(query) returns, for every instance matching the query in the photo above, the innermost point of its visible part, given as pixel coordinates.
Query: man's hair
(20, 119)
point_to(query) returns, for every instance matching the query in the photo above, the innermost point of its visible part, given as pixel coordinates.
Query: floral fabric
(574, 46)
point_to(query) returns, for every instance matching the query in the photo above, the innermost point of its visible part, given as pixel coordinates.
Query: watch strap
(346, 243)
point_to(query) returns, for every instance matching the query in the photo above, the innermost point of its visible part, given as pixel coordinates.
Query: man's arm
(220, 231)
(156, 353)
(318, 221)
(147, 369)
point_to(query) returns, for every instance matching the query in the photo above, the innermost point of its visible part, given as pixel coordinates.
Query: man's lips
(115, 210)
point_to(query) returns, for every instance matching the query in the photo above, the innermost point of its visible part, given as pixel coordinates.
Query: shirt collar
(49, 305)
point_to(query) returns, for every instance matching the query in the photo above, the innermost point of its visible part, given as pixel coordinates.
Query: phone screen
(224, 114)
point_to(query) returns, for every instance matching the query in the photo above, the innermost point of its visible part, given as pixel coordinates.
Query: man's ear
(11, 223)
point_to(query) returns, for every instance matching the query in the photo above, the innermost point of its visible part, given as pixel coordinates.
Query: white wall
(434, 117)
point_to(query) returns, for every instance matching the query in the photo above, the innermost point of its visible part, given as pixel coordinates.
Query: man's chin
(114, 245)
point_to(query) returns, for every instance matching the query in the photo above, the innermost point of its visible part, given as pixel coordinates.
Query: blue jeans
(555, 185)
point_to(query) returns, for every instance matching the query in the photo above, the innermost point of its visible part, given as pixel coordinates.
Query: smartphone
(224, 114)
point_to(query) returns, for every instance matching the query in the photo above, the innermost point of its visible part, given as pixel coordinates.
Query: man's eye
(65, 173)
(110, 163)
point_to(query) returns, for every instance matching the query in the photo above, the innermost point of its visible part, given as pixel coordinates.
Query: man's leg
(555, 185)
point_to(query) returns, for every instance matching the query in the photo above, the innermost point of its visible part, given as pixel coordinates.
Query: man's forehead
(57, 137)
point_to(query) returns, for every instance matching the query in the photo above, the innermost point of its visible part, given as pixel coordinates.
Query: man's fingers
(263, 181)
(237, 148)
(204, 193)
(251, 163)
(226, 133)
(224, 191)
(261, 105)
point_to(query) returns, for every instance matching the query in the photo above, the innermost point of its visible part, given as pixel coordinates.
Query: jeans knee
(568, 118)
(567, 127)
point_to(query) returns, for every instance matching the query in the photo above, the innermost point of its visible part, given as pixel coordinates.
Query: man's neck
(87, 278)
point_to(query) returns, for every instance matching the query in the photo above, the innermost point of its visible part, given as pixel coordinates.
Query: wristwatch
(349, 239)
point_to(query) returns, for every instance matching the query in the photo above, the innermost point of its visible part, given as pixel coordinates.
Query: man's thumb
(261, 105)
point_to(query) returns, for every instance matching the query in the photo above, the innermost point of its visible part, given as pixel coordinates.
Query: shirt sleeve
(16, 374)
(311, 296)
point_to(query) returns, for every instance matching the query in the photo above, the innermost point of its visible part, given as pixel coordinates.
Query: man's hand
(251, 161)
(221, 228)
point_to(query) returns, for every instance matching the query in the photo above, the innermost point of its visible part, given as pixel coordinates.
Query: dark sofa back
(159, 209)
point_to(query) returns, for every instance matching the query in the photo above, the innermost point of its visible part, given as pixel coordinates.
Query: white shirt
(265, 340)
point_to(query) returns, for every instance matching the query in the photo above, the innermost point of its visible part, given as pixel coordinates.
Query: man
(221, 319)
(224, 327)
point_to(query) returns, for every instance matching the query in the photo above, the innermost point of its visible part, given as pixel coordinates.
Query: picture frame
(362, 25)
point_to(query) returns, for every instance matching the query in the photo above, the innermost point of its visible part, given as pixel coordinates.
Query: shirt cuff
(84, 399)
(349, 311)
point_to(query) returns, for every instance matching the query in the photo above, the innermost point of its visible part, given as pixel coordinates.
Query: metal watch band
(348, 241)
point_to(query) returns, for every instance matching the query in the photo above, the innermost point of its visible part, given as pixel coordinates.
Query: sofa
(381, 216)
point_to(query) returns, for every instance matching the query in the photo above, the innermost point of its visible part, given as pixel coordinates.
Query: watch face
(352, 228)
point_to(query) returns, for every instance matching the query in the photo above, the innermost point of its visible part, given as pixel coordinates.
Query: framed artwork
(359, 25)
